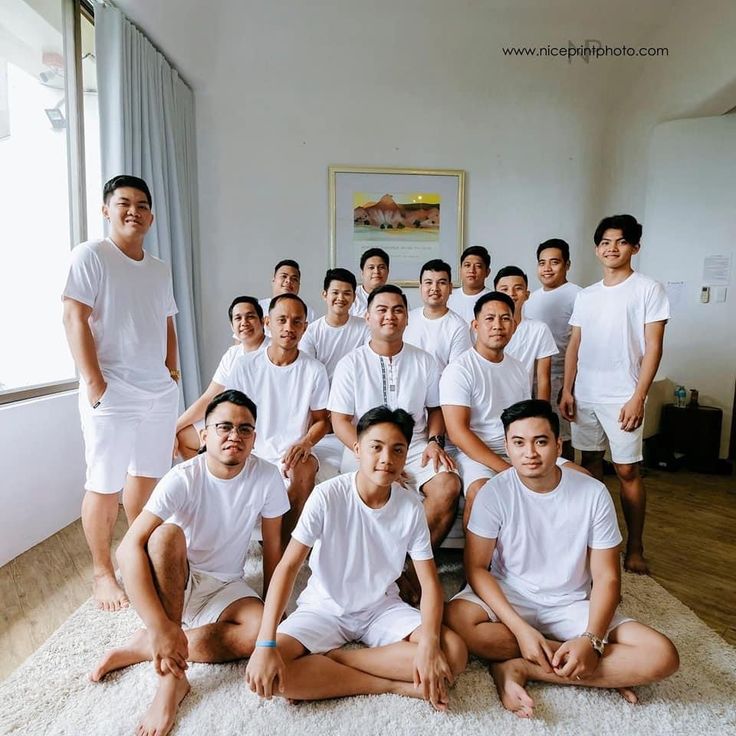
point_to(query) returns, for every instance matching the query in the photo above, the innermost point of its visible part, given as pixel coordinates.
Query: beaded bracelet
(266, 644)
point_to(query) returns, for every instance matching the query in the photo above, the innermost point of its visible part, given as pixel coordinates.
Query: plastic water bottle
(680, 397)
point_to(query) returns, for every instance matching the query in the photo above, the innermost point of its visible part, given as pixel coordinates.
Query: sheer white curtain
(147, 129)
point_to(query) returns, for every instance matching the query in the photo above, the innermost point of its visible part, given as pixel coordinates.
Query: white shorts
(556, 388)
(596, 426)
(471, 471)
(559, 623)
(127, 435)
(329, 451)
(319, 631)
(416, 474)
(206, 597)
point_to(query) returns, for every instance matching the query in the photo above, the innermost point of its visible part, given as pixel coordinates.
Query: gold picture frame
(415, 215)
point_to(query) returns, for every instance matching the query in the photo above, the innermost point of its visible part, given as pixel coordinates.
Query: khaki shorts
(206, 597)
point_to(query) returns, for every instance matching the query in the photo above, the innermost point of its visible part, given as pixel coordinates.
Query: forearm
(571, 363)
(172, 352)
(83, 350)
(435, 422)
(487, 588)
(317, 431)
(279, 590)
(271, 557)
(544, 384)
(431, 608)
(135, 568)
(342, 426)
(648, 370)
(477, 450)
(195, 412)
(604, 599)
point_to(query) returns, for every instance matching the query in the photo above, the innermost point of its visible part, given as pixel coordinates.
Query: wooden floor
(690, 540)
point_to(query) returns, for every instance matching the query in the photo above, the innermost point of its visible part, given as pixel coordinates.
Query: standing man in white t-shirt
(287, 279)
(434, 327)
(359, 528)
(552, 304)
(246, 320)
(532, 342)
(119, 320)
(291, 391)
(387, 371)
(612, 358)
(476, 388)
(475, 268)
(183, 557)
(374, 266)
(541, 558)
(332, 337)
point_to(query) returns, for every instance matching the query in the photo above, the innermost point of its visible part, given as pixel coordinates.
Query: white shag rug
(50, 694)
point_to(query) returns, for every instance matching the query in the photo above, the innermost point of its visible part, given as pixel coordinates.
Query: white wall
(42, 470)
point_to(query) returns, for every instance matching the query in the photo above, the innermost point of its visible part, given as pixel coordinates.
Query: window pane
(34, 199)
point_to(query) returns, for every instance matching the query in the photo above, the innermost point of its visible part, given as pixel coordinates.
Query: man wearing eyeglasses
(182, 559)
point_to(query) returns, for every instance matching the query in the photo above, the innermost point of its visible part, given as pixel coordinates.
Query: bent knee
(665, 660)
(165, 541)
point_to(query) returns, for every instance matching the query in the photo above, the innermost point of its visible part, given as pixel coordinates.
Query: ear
(267, 320)
(324, 294)
(636, 248)
(203, 437)
(105, 211)
(355, 449)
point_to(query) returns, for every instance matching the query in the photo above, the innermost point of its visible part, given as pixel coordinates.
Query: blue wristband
(266, 644)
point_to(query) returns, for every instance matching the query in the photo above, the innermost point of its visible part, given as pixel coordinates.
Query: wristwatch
(598, 644)
(439, 439)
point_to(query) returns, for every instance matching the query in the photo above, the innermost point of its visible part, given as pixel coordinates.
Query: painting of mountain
(411, 216)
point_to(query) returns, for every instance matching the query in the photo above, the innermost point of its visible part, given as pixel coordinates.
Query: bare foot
(510, 678)
(408, 690)
(159, 718)
(135, 650)
(108, 595)
(635, 562)
(628, 695)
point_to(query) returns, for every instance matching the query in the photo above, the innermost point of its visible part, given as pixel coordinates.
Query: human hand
(632, 414)
(535, 648)
(575, 659)
(567, 405)
(265, 672)
(432, 673)
(95, 391)
(438, 456)
(169, 649)
(298, 452)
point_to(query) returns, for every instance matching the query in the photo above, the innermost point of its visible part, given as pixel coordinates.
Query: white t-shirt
(487, 388)
(131, 301)
(230, 356)
(532, 340)
(328, 344)
(542, 539)
(463, 304)
(611, 321)
(409, 380)
(264, 306)
(284, 396)
(218, 516)
(446, 338)
(360, 306)
(358, 552)
(554, 308)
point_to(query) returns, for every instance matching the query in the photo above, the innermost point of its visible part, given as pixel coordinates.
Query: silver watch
(598, 644)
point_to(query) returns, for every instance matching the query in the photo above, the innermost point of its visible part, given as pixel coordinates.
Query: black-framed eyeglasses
(224, 429)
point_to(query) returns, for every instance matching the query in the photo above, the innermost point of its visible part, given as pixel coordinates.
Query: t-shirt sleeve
(460, 342)
(310, 526)
(307, 344)
(657, 305)
(320, 389)
(485, 516)
(455, 387)
(420, 546)
(342, 392)
(171, 308)
(604, 532)
(84, 277)
(547, 345)
(577, 308)
(433, 383)
(235, 376)
(277, 500)
(224, 367)
(169, 496)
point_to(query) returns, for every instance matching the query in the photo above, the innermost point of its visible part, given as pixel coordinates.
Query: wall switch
(705, 294)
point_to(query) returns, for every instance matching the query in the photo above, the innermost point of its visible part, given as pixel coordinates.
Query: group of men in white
(364, 437)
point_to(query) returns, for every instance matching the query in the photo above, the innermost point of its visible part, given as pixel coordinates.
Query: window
(42, 165)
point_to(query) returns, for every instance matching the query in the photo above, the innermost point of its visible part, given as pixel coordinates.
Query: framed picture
(415, 215)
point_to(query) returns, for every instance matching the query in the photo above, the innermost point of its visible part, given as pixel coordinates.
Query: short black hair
(386, 289)
(627, 224)
(288, 295)
(287, 262)
(339, 274)
(558, 243)
(126, 180)
(436, 264)
(477, 250)
(373, 252)
(493, 296)
(383, 415)
(231, 396)
(530, 409)
(509, 271)
(245, 300)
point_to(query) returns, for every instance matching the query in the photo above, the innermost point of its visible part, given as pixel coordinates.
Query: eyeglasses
(224, 429)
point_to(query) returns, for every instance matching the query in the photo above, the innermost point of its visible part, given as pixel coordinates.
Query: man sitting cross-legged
(542, 562)
(359, 527)
(476, 388)
(182, 559)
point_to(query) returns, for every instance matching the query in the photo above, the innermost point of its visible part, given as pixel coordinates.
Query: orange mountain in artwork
(387, 214)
